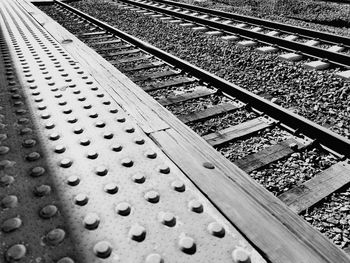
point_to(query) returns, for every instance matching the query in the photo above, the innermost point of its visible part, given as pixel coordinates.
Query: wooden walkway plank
(237, 131)
(314, 190)
(268, 155)
(197, 93)
(208, 113)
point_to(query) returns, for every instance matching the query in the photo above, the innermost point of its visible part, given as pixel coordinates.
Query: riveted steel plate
(118, 197)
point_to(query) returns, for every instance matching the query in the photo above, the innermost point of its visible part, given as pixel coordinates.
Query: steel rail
(337, 58)
(322, 135)
(263, 22)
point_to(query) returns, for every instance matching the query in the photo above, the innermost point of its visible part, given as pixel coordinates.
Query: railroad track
(198, 97)
(325, 49)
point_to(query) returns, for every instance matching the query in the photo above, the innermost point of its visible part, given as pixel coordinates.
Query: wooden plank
(208, 113)
(198, 93)
(155, 75)
(314, 190)
(142, 66)
(170, 83)
(132, 59)
(124, 52)
(268, 155)
(280, 234)
(237, 131)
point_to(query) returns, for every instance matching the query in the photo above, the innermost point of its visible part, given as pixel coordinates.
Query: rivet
(62, 102)
(108, 135)
(178, 186)
(164, 169)
(139, 141)
(81, 199)
(37, 171)
(151, 154)
(127, 162)
(49, 125)
(23, 120)
(45, 115)
(81, 98)
(152, 196)
(138, 178)
(67, 111)
(55, 237)
(60, 149)
(15, 253)
(123, 209)
(106, 102)
(84, 141)
(78, 130)
(54, 136)
(216, 229)
(65, 260)
(73, 180)
(6, 180)
(195, 206)
(113, 110)
(103, 249)
(11, 224)
(89, 82)
(88, 106)
(100, 124)
(240, 255)
(21, 112)
(65, 163)
(154, 258)
(51, 83)
(4, 150)
(101, 170)
(93, 115)
(137, 233)
(120, 119)
(9, 201)
(111, 188)
(28, 143)
(129, 129)
(41, 107)
(91, 221)
(42, 190)
(187, 245)
(72, 119)
(208, 165)
(167, 219)
(91, 154)
(33, 156)
(48, 211)
(117, 147)
(100, 95)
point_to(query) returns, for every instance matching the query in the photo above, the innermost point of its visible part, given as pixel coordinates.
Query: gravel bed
(263, 139)
(222, 122)
(301, 166)
(314, 95)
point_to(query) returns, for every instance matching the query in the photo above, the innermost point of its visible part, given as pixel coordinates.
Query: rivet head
(138, 178)
(152, 196)
(42, 190)
(154, 258)
(121, 119)
(216, 229)
(240, 255)
(178, 186)
(15, 253)
(4, 150)
(208, 165)
(55, 237)
(81, 199)
(28, 143)
(72, 119)
(33, 156)
(102, 249)
(117, 147)
(73, 180)
(11, 224)
(23, 121)
(37, 171)
(78, 130)
(54, 136)
(100, 124)
(9, 201)
(91, 154)
(60, 149)
(108, 135)
(151, 154)
(6, 180)
(167, 218)
(139, 141)
(113, 110)
(93, 115)
(129, 129)
(48, 211)
(65, 260)
(187, 245)
(49, 125)
(137, 233)
(111, 188)
(123, 208)
(101, 170)
(91, 221)
(84, 141)
(65, 163)
(195, 206)
(164, 169)
(127, 162)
